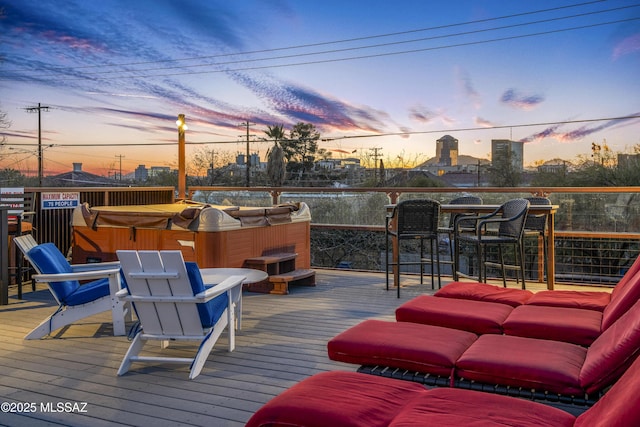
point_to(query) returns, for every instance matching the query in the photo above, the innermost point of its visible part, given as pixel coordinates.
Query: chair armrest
(27, 213)
(390, 219)
(467, 218)
(83, 275)
(222, 287)
(96, 266)
(482, 225)
(122, 293)
(477, 218)
(391, 213)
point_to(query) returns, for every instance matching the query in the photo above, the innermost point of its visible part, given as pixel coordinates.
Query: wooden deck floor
(282, 342)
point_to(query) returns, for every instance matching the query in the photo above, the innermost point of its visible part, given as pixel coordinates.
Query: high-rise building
(504, 148)
(157, 170)
(141, 173)
(628, 160)
(447, 151)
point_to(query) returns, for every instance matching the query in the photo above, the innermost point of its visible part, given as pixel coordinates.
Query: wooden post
(182, 177)
(4, 255)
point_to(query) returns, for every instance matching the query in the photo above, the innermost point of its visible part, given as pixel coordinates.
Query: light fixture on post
(182, 177)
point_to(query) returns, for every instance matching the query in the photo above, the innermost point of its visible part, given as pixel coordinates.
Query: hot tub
(212, 236)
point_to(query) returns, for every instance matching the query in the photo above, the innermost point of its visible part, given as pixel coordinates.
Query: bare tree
(208, 163)
(4, 124)
(4, 119)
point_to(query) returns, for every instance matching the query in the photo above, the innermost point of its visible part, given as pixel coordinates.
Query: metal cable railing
(597, 228)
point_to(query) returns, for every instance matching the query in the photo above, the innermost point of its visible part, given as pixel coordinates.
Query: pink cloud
(579, 133)
(71, 41)
(482, 122)
(547, 133)
(627, 46)
(421, 114)
(515, 99)
(468, 89)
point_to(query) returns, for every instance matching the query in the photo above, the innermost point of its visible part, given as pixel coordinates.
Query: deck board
(283, 341)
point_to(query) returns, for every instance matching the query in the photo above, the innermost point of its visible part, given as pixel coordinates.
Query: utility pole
(213, 154)
(39, 109)
(120, 156)
(375, 164)
(248, 159)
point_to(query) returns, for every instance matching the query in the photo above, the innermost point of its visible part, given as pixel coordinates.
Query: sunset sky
(394, 76)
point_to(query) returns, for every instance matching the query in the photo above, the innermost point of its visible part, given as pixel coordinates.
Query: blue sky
(394, 76)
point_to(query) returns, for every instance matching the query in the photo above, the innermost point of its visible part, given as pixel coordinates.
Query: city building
(554, 166)
(628, 160)
(141, 173)
(447, 151)
(502, 149)
(157, 170)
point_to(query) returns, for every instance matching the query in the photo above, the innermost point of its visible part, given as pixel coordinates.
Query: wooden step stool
(301, 276)
(281, 268)
(274, 263)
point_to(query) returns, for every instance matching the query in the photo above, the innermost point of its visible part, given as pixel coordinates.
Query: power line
(374, 55)
(380, 44)
(635, 116)
(370, 56)
(370, 37)
(349, 49)
(327, 139)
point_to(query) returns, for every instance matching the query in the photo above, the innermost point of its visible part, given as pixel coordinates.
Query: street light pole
(182, 177)
(40, 163)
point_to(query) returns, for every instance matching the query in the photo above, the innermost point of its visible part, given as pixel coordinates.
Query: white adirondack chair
(172, 303)
(76, 301)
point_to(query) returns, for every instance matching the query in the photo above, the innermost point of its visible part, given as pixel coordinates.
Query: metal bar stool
(411, 220)
(536, 226)
(509, 220)
(448, 229)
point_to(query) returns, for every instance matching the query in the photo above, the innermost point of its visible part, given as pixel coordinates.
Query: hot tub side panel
(231, 248)
(100, 245)
(209, 249)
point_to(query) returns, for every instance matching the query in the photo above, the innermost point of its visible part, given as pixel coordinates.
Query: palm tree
(275, 156)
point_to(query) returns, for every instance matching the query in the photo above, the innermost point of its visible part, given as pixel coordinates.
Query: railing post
(393, 197)
(4, 255)
(275, 196)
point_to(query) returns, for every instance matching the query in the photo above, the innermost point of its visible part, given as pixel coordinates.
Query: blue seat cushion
(211, 311)
(49, 260)
(89, 292)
